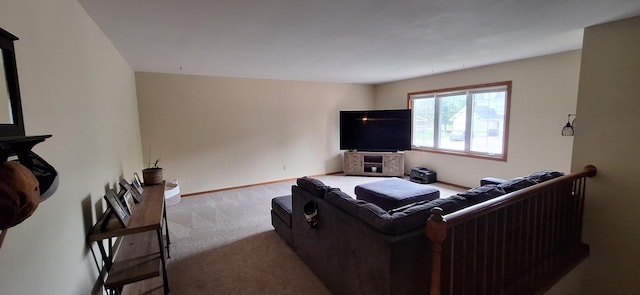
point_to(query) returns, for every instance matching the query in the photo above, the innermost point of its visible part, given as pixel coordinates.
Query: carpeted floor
(223, 243)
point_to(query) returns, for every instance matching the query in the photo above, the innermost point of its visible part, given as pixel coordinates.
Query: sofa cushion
(410, 217)
(364, 210)
(448, 205)
(312, 185)
(282, 207)
(544, 175)
(395, 192)
(482, 193)
(491, 180)
(515, 184)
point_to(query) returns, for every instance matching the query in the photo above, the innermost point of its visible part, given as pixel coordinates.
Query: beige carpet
(223, 243)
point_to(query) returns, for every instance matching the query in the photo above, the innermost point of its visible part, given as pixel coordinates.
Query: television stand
(374, 163)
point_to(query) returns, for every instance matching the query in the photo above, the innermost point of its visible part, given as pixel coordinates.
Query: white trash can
(172, 193)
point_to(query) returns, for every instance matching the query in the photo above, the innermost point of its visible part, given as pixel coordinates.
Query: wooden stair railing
(519, 243)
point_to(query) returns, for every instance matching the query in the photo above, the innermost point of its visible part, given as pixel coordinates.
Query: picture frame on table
(136, 183)
(125, 185)
(123, 201)
(129, 201)
(118, 209)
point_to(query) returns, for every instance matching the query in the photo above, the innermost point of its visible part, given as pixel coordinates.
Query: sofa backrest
(544, 175)
(396, 221)
(314, 186)
(413, 216)
(487, 192)
(482, 193)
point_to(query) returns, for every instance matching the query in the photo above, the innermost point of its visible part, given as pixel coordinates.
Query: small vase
(152, 176)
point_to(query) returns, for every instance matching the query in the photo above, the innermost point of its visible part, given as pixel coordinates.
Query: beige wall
(76, 86)
(214, 132)
(607, 136)
(220, 132)
(544, 91)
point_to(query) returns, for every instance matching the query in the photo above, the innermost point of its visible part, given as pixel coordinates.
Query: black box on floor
(422, 175)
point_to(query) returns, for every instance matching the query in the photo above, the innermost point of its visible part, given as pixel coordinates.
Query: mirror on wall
(11, 123)
(5, 103)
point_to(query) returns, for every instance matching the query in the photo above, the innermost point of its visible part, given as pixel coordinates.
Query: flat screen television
(375, 130)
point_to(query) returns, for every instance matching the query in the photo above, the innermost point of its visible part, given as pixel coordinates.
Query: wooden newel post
(436, 232)
(591, 169)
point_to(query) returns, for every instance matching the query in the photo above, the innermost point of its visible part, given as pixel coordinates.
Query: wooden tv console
(137, 259)
(374, 163)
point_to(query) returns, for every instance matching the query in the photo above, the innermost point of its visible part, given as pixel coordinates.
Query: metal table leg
(164, 264)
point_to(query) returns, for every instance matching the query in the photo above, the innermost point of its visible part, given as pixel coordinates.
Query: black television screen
(375, 130)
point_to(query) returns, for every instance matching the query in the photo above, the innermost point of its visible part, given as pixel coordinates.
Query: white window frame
(466, 152)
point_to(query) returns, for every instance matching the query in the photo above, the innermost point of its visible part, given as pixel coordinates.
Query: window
(470, 120)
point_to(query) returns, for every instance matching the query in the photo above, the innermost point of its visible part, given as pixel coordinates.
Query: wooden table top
(147, 216)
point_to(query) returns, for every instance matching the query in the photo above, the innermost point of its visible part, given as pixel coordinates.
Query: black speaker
(422, 175)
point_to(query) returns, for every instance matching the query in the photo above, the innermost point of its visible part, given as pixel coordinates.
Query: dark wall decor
(25, 178)
(11, 122)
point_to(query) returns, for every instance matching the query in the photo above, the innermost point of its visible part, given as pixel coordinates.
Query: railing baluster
(510, 244)
(472, 273)
(534, 230)
(485, 251)
(465, 257)
(499, 254)
(503, 263)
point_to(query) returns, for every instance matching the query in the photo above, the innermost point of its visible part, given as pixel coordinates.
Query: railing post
(436, 232)
(591, 169)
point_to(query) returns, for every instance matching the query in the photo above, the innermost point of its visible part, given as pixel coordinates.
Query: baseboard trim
(285, 180)
(253, 185)
(455, 185)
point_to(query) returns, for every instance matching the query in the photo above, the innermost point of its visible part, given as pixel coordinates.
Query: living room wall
(76, 86)
(217, 132)
(544, 91)
(606, 136)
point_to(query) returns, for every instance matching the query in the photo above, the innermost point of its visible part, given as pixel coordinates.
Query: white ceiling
(355, 41)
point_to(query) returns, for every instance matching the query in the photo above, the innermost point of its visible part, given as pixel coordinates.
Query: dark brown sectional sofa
(359, 248)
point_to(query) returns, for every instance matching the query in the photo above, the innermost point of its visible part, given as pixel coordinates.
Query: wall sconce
(567, 130)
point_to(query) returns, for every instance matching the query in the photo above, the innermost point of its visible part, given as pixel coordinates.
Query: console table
(138, 253)
(374, 164)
